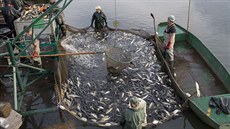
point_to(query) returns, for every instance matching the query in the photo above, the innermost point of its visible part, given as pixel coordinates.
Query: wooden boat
(194, 62)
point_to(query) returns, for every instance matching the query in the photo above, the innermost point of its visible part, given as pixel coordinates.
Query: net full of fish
(99, 97)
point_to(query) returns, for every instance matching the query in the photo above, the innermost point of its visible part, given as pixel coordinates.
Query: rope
(116, 13)
(115, 22)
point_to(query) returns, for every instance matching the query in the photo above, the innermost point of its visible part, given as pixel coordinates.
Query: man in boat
(59, 19)
(169, 39)
(10, 14)
(34, 48)
(134, 116)
(100, 20)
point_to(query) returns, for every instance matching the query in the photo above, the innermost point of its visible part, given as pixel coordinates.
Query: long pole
(60, 54)
(116, 22)
(15, 89)
(189, 11)
(154, 25)
(14, 64)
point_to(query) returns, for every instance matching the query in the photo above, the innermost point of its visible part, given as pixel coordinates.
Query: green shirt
(132, 118)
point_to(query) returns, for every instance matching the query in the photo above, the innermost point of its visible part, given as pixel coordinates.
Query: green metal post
(4, 54)
(32, 112)
(20, 100)
(12, 59)
(32, 67)
(18, 97)
(34, 80)
(15, 89)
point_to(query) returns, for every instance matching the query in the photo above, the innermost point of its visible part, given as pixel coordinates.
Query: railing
(20, 80)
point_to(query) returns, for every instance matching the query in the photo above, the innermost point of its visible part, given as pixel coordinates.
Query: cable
(115, 22)
(116, 13)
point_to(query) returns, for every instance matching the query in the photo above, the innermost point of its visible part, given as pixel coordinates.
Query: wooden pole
(189, 11)
(60, 54)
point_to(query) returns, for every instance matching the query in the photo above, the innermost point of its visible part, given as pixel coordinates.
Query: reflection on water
(214, 27)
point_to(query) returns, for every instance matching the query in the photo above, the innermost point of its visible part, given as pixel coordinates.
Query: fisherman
(142, 105)
(10, 14)
(59, 19)
(100, 20)
(169, 39)
(133, 117)
(34, 48)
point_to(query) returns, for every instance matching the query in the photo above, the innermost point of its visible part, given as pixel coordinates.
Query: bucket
(117, 59)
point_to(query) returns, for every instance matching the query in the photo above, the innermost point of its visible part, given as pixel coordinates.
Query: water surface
(209, 19)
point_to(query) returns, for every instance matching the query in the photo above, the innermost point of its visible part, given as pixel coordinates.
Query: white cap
(98, 7)
(171, 18)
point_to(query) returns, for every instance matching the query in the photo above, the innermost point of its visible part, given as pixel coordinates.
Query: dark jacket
(10, 14)
(132, 118)
(100, 20)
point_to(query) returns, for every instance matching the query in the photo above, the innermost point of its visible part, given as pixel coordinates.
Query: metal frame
(22, 80)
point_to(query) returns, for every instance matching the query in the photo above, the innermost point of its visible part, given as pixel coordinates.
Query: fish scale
(88, 74)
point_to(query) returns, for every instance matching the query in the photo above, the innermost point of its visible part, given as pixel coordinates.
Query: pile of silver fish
(33, 11)
(99, 97)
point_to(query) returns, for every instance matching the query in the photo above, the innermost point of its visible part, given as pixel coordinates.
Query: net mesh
(117, 59)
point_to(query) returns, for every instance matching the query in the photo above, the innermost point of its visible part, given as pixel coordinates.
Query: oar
(61, 54)
(197, 92)
(186, 101)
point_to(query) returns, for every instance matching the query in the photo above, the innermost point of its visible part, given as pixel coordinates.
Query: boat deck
(190, 67)
(201, 106)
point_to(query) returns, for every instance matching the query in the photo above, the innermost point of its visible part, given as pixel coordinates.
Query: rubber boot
(63, 29)
(171, 65)
(164, 54)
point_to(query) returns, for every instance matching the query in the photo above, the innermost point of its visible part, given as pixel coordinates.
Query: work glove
(168, 45)
(35, 54)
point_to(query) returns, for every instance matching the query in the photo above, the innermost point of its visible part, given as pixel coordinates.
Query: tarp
(221, 104)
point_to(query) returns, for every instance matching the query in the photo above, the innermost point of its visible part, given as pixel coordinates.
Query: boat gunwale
(226, 82)
(214, 123)
(181, 92)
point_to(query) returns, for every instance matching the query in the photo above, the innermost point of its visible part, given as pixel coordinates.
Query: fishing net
(117, 59)
(99, 97)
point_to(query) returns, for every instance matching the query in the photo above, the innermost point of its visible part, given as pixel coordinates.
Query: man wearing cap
(59, 19)
(99, 18)
(133, 116)
(169, 39)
